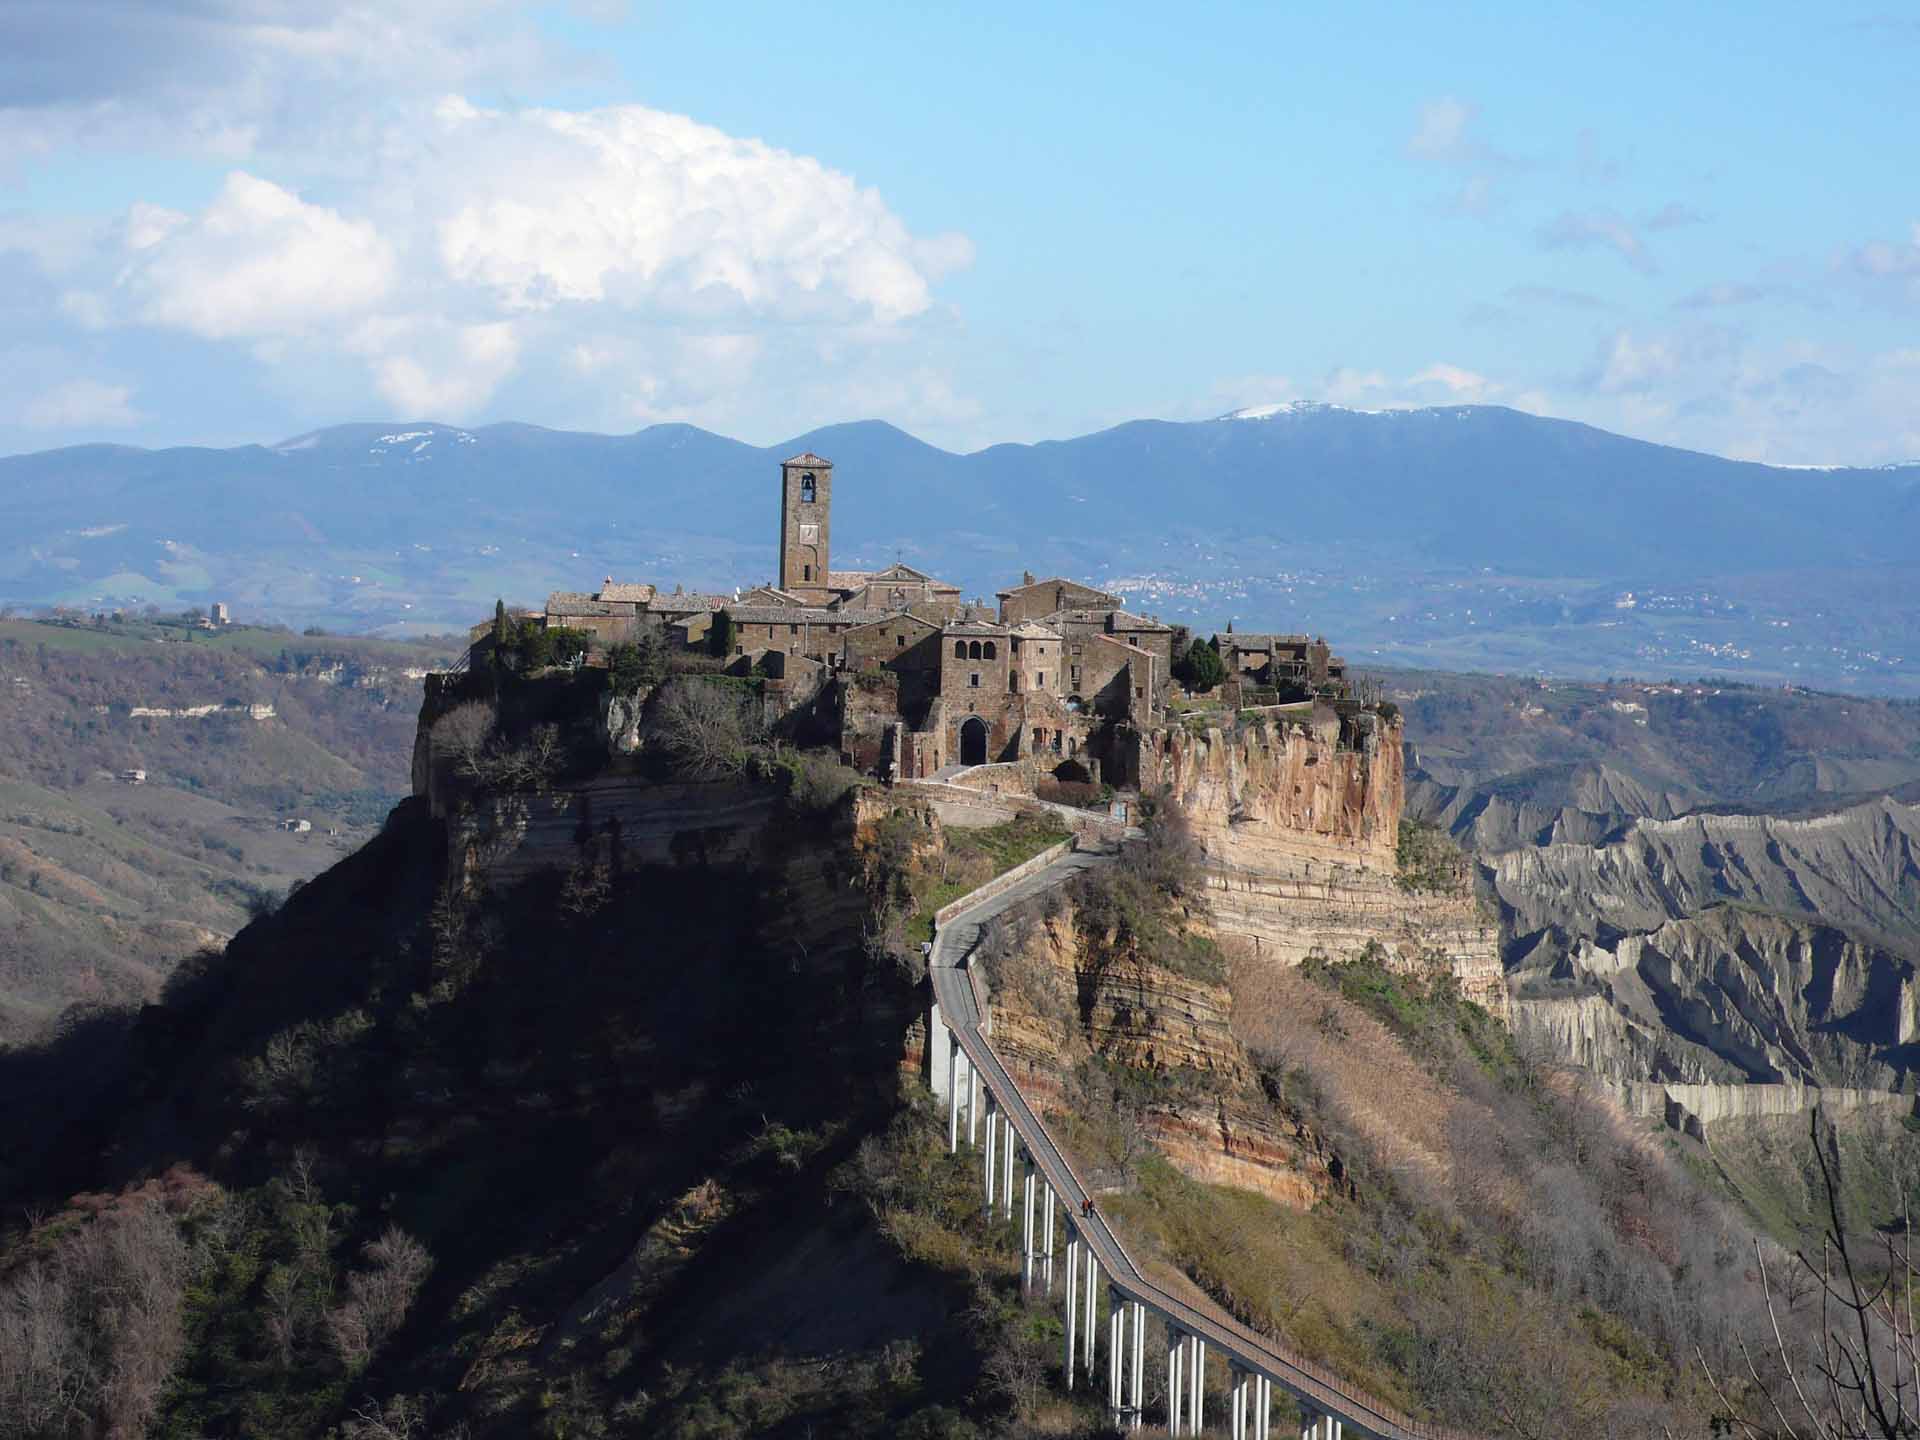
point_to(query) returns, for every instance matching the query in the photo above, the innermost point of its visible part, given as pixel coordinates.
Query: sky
(225, 221)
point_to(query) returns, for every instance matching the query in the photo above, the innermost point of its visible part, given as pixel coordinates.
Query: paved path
(953, 988)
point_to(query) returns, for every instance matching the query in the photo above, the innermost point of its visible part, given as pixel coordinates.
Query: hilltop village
(918, 680)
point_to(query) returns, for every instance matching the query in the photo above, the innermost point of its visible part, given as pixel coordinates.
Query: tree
(722, 635)
(462, 734)
(1858, 1378)
(500, 632)
(566, 647)
(702, 727)
(637, 665)
(1200, 669)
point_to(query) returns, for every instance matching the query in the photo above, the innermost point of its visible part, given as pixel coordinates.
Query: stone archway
(973, 741)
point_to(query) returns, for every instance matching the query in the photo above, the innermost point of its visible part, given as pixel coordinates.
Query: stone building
(921, 681)
(806, 524)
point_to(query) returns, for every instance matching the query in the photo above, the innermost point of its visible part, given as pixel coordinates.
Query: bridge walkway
(976, 1082)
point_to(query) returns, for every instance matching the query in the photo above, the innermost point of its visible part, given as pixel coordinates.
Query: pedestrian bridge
(1024, 1172)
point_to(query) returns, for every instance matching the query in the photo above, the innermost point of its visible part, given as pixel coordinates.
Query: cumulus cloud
(636, 206)
(81, 404)
(230, 77)
(646, 251)
(1601, 229)
(258, 262)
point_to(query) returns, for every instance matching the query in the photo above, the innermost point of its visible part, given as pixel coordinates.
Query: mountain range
(1470, 535)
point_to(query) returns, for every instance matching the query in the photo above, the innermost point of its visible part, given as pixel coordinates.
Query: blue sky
(230, 220)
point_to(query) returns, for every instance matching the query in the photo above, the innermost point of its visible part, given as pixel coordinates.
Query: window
(973, 680)
(807, 571)
(1076, 676)
(1014, 680)
(899, 640)
(959, 649)
(987, 651)
(973, 650)
(1043, 679)
(793, 629)
(807, 488)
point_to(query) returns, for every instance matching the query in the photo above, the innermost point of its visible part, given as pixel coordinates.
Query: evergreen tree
(1200, 669)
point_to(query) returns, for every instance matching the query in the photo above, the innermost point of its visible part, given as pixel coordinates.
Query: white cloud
(1440, 130)
(81, 405)
(452, 374)
(654, 255)
(258, 262)
(1457, 381)
(637, 207)
(1573, 231)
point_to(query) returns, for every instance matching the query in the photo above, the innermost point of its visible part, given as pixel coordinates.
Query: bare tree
(89, 1336)
(703, 728)
(462, 734)
(378, 1298)
(1858, 1378)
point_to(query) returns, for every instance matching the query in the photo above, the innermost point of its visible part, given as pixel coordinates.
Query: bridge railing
(1307, 1380)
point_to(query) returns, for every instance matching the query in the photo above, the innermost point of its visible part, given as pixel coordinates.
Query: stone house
(919, 679)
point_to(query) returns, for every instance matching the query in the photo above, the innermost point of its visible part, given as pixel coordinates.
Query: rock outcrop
(1299, 822)
(1166, 1034)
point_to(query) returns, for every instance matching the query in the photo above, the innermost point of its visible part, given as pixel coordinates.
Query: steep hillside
(104, 883)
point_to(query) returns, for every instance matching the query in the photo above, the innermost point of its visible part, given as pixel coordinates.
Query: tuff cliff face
(1299, 822)
(1165, 1035)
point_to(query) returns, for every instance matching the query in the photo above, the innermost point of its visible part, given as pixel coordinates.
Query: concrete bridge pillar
(1006, 1166)
(939, 1055)
(1262, 1408)
(1116, 1352)
(956, 1058)
(973, 1105)
(1046, 1249)
(992, 1167)
(1092, 1276)
(1197, 1381)
(1027, 1236)
(1073, 1299)
(1176, 1377)
(1136, 1402)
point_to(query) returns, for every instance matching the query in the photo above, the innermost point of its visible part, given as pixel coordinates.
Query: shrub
(1200, 669)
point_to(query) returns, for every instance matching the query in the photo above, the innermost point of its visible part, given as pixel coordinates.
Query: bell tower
(806, 504)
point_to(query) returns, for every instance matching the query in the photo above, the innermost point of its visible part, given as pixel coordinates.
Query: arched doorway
(973, 741)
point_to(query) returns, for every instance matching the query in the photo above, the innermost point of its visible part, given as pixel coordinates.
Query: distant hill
(106, 884)
(420, 524)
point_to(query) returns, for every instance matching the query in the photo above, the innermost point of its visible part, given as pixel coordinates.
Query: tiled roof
(1107, 617)
(1034, 630)
(688, 604)
(807, 457)
(804, 615)
(1044, 584)
(620, 590)
(973, 627)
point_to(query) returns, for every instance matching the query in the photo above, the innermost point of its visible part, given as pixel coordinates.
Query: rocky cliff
(1064, 1022)
(1299, 821)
